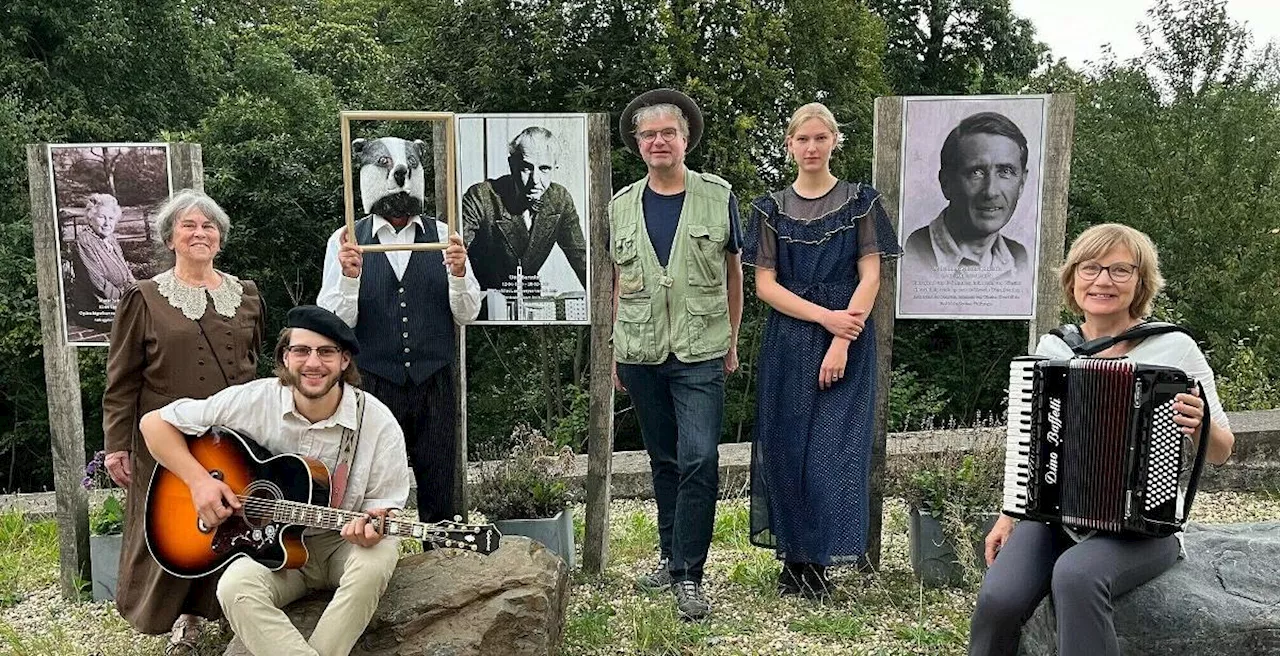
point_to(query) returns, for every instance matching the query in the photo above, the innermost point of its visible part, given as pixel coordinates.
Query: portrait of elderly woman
(101, 270)
(105, 197)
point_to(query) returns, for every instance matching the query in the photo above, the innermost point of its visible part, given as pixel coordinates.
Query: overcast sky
(1077, 29)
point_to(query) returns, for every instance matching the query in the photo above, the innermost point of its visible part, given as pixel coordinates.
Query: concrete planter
(104, 565)
(555, 533)
(933, 556)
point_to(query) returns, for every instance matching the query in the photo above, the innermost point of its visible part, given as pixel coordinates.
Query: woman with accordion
(1111, 276)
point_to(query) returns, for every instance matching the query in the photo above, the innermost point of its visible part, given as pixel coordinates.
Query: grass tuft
(635, 537)
(28, 556)
(590, 627)
(829, 625)
(655, 629)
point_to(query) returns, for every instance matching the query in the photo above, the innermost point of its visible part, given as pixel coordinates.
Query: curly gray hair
(184, 201)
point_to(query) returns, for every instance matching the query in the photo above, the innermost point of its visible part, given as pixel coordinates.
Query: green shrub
(1247, 382)
(528, 483)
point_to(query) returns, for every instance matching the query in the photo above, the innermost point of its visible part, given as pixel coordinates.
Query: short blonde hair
(1098, 241)
(813, 110)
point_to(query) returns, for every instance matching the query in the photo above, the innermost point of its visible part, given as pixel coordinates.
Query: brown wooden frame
(450, 172)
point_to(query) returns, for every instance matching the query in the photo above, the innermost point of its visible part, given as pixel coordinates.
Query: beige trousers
(252, 596)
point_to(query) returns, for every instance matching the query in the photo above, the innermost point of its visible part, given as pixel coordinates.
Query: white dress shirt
(379, 476)
(995, 256)
(341, 295)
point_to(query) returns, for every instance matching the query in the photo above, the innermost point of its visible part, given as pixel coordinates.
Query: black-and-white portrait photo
(523, 180)
(970, 213)
(105, 196)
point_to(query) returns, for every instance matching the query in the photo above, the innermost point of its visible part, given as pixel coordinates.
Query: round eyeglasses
(648, 136)
(303, 352)
(1119, 272)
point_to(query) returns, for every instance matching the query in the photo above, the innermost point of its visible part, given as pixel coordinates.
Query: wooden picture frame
(444, 131)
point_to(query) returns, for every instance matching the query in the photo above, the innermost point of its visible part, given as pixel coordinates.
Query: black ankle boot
(814, 583)
(791, 579)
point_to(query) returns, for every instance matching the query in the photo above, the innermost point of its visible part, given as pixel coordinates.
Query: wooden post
(1059, 128)
(887, 163)
(443, 154)
(62, 378)
(187, 165)
(595, 551)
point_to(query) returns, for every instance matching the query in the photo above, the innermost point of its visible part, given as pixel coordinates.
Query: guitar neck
(333, 519)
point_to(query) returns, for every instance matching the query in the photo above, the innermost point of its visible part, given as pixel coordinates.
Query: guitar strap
(346, 454)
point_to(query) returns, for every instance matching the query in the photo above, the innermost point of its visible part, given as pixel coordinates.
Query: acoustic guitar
(277, 495)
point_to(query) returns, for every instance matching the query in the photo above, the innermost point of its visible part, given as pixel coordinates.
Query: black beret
(659, 97)
(321, 321)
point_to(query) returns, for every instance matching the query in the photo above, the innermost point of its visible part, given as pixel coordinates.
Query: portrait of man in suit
(514, 221)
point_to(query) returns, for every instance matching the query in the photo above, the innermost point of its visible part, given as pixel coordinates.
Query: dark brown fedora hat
(658, 97)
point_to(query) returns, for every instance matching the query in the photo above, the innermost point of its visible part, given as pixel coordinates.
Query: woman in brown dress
(186, 333)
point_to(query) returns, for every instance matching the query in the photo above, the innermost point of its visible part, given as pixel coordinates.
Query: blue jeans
(681, 412)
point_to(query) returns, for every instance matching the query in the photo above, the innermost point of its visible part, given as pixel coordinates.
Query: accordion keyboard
(1017, 463)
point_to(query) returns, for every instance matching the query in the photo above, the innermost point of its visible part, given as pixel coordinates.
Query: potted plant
(106, 529)
(524, 493)
(953, 498)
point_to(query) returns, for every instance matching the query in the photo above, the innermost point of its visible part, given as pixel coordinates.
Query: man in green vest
(677, 306)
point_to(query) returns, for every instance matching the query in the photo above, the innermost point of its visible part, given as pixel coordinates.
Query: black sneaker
(658, 580)
(691, 603)
(790, 579)
(814, 584)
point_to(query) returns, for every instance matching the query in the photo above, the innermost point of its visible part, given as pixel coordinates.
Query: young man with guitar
(311, 409)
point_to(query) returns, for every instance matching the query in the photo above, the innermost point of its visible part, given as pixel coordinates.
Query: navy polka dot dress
(812, 452)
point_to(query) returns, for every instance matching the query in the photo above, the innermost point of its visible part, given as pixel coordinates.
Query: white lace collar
(193, 301)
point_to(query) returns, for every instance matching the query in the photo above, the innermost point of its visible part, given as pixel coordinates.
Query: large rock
(1223, 599)
(451, 603)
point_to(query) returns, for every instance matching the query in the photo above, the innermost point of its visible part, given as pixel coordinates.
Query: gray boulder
(453, 603)
(1224, 598)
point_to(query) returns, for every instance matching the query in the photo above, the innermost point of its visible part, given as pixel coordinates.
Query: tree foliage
(1181, 144)
(957, 46)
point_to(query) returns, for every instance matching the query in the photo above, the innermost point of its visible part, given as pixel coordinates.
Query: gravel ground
(889, 613)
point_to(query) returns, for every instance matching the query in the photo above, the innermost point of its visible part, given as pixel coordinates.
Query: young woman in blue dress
(817, 246)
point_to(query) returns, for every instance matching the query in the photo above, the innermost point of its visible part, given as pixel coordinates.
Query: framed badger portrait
(399, 167)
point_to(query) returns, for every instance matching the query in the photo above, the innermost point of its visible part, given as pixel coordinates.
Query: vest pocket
(626, 255)
(705, 260)
(633, 336)
(708, 324)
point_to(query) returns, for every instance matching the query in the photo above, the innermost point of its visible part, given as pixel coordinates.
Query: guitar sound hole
(254, 514)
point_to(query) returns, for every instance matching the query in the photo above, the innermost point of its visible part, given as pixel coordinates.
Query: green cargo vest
(683, 308)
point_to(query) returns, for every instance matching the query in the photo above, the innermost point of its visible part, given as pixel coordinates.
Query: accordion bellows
(1092, 445)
